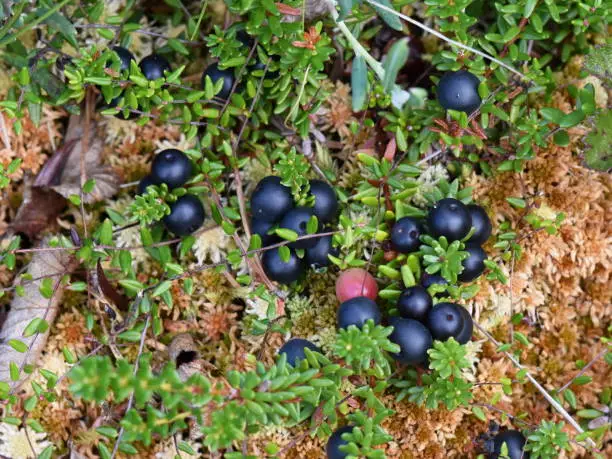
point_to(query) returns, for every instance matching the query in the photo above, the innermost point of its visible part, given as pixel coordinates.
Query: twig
(139, 31)
(445, 38)
(584, 370)
(538, 386)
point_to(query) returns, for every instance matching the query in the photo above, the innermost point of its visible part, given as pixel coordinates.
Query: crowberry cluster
(173, 168)
(152, 67)
(273, 207)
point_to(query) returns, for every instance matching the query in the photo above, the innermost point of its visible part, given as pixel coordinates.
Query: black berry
(125, 56)
(449, 218)
(261, 227)
(413, 338)
(481, 223)
(284, 272)
(414, 303)
(325, 202)
(459, 91)
(473, 265)
(215, 74)
(297, 220)
(294, 350)
(271, 199)
(405, 235)
(357, 311)
(515, 442)
(465, 335)
(144, 183)
(186, 215)
(316, 256)
(445, 320)
(243, 37)
(335, 442)
(153, 66)
(171, 167)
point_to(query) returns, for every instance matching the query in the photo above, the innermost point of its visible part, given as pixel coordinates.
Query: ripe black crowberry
(262, 227)
(413, 338)
(144, 183)
(316, 256)
(481, 223)
(459, 91)
(335, 442)
(124, 56)
(271, 199)
(294, 350)
(445, 320)
(171, 167)
(473, 265)
(465, 334)
(357, 311)
(449, 218)
(281, 271)
(215, 74)
(515, 442)
(186, 215)
(153, 66)
(325, 200)
(297, 220)
(414, 303)
(405, 235)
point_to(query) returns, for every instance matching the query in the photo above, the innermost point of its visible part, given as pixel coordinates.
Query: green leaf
(284, 253)
(36, 325)
(571, 119)
(391, 19)
(47, 453)
(570, 398)
(521, 338)
(359, 83)
(479, 413)
(177, 46)
(19, 346)
(561, 138)
(517, 202)
(313, 225)
(107, 431)
(162, 288)
(395, 60)
(63, 26)
(529, 7)
(286, 234)
(345, 9)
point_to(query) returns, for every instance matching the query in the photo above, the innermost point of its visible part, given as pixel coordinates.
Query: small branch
(445, 38)
(584, 370)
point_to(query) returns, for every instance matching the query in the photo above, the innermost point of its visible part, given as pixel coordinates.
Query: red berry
(355, 282)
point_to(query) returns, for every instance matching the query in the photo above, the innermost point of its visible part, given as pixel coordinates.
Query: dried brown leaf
(52, 264)
(109, 291)
(60, 178)
(39, 209)
(107, 183)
